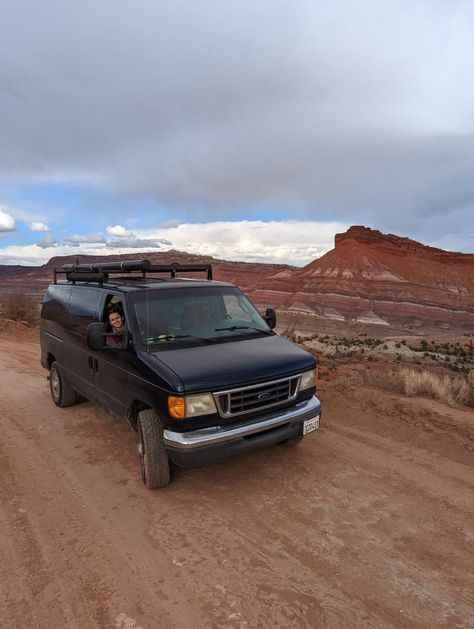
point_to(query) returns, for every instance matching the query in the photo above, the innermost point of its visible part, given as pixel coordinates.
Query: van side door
(82, 309)
(52, 324)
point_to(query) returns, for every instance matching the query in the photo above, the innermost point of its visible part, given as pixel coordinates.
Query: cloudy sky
(242, 129)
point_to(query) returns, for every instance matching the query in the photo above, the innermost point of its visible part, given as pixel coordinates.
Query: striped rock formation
(375, 283)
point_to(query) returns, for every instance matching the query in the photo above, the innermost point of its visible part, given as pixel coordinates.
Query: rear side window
(82, 308)
(55, 302)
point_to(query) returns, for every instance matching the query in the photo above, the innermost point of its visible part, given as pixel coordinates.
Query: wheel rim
(141, 453)
(55, 385)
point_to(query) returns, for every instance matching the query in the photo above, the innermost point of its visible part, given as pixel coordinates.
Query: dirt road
(367, 524)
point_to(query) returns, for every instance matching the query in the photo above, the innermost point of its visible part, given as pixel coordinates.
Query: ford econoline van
(189, 363)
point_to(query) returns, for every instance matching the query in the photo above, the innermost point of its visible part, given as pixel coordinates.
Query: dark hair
(115, 307)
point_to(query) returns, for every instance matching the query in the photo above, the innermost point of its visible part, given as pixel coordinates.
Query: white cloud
(169, 224)
(291, 242)
(37, 226)
(77, 239)
(133, 242)
(7, 222)
(126, 239)
(47, 242)
(118, 230)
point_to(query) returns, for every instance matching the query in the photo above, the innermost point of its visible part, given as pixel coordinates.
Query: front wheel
(62, 394)
(154, 462)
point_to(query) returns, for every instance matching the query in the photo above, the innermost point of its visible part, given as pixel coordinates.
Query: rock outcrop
(375, 283)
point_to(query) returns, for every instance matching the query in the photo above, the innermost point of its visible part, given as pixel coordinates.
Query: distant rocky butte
(380, 284)
(372, 283)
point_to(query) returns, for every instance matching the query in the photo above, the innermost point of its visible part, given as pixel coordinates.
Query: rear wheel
(154, 462)
(62, 394)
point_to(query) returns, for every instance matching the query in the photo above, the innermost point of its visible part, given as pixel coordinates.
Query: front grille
(256, 397)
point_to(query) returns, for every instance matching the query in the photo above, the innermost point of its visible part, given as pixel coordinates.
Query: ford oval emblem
(263, 396)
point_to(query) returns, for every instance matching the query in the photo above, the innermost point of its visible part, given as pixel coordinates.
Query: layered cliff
(373, 283)
(376, 283)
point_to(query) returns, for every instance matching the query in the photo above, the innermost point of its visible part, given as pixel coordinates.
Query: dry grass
(19, 306)
(450, 389)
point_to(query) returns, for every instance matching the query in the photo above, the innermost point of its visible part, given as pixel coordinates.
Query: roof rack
(99, 271)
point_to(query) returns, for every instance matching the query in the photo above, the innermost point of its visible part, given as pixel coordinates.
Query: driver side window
(114, 317)
(113, 303)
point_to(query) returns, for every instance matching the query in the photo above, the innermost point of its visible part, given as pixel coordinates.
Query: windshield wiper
(232, 328)
(163, 338)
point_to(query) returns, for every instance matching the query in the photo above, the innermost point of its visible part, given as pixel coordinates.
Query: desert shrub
(442, 387)
(411, 381)
(19, 307)
(290, 334)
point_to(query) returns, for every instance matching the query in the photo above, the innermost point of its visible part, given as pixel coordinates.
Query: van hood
(241, 362)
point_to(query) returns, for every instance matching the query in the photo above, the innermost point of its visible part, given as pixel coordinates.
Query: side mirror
(95, 336)
(270, 317)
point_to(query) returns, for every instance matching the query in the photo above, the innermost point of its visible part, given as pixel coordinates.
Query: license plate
(310, 424)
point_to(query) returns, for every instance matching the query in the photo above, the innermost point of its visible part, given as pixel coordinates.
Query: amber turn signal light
(176, 407)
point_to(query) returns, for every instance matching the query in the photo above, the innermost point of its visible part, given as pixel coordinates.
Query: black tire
(289, 443)
(154, 462)
(62, 394)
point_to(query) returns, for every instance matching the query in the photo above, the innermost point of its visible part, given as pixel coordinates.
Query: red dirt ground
(368, 523)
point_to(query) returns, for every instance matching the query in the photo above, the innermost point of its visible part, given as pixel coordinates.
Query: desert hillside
(374, 283)
(35, 279)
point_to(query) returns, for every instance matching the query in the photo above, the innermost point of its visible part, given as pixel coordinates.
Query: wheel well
(136, 407)
(50, 360)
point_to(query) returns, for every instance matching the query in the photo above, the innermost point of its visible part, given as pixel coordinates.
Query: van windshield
(195, 315)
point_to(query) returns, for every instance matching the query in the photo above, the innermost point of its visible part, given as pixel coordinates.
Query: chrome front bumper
(309, 409)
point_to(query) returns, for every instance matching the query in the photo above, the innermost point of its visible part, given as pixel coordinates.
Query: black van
(191, 364)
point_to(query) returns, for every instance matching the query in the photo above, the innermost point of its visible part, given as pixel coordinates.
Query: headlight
(191, 405)
(308, 379)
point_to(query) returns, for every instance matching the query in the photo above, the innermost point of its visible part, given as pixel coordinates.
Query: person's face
(115, 320)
